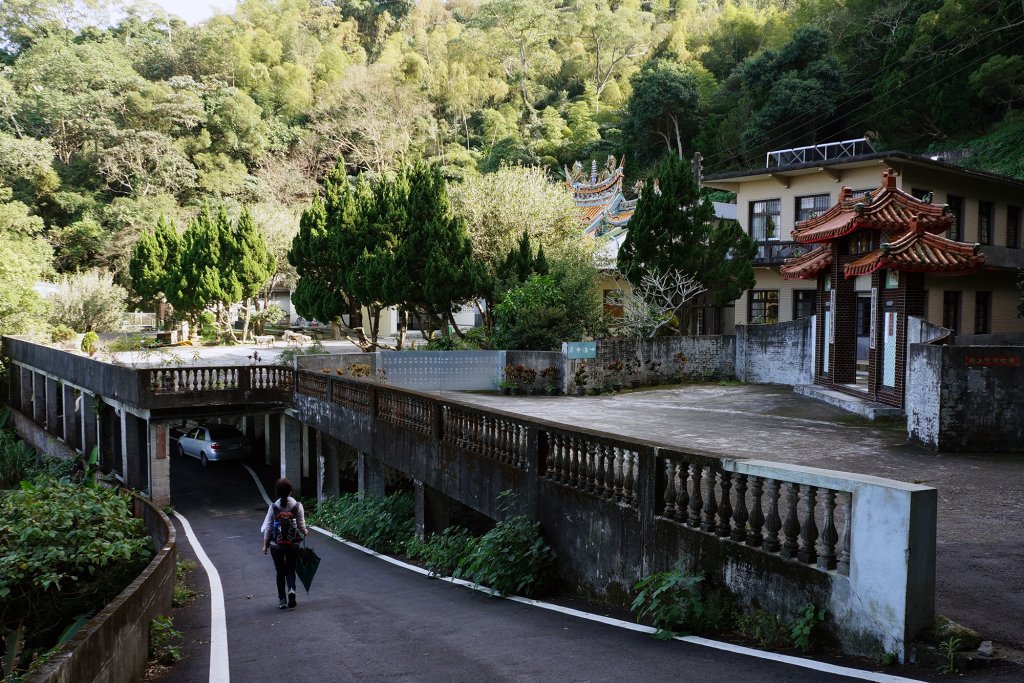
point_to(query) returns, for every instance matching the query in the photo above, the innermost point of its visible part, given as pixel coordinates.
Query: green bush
(764, 628)
(17, 458)
(65, 550)
(804, 629)
(90, 342)
(443, 553)
(161, 636)
(672, 600)
(510, 559)
(61, 333)
(382, 524)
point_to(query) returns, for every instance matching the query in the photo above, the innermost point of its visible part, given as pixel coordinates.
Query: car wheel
(203, 459)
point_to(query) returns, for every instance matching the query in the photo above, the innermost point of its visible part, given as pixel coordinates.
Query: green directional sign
(578, 350)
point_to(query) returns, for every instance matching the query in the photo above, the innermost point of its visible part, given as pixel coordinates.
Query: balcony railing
(774, 252)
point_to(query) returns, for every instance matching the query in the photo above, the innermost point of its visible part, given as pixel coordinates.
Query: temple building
(888, 244)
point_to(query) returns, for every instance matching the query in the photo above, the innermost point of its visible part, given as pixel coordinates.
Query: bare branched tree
(652, 304)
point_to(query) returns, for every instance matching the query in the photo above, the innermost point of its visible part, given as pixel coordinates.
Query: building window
(861, 242)
(812, 205)
(982, 312)
(956, 205)
(764, 306)
(804, 303)
(1013, 227)
(985, 211)
(951, 310)
(764, 219)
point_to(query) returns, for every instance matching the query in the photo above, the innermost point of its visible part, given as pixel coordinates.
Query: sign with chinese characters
(992, 361)
(580, 350)
(874, 315)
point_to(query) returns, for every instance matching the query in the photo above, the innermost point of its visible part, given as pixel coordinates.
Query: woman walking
(283, 528)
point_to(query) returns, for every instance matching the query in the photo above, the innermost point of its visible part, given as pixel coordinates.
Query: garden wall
(654, 361)
(781, 353)
(966, 398)
(113, 647)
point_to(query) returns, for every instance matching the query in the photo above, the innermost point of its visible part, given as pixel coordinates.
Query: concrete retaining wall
(114, 646)
(653, 361)
(966, 398)
(781, 353)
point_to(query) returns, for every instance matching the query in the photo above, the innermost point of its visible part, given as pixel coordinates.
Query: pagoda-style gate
(884, 242)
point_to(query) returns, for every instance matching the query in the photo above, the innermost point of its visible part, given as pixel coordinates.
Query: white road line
(259, 485)
(219, 662)
(875, 676)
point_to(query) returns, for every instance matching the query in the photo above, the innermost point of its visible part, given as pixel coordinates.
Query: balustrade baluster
(609, 472)
(754, 537)
(846, 511)
(809, 527)
(725, 504)
(628, 472)
(176, 380)
(710, 504)
(574, 462)
(620, 477)
(829, 536)
(773, 524)
(590, 471)
(190, 380)
(682, 497)
(791, 525)
(562, 475)
(697, 499)
(670, 488)
(739, 512)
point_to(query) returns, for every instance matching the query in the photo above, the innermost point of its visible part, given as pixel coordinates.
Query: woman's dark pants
(285, 558)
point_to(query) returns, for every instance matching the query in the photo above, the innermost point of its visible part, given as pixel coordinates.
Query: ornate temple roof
(921, 252)
(911, 228)
(810, 264)
(887, 209)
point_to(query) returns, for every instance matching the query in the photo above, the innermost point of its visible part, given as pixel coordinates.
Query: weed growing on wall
(803, 630)
(671, 601)
(162, 633)
(764, 628)
(183, 593)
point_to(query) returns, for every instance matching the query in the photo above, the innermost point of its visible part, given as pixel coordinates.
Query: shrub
(88, 300)
(90, 342)
(671, 600)
(512, 558)
(763, 627)
(161, 635)
(382, 524)
(16, 457)
(803, 630)
(61, 333)
(443, 553)
(64, 550)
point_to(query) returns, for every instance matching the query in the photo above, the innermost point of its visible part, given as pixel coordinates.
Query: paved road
(366, 620)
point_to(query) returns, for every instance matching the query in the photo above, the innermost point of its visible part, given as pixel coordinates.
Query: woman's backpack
(286, 526)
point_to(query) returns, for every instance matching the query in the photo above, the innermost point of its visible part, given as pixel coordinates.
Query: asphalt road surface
(367, 620)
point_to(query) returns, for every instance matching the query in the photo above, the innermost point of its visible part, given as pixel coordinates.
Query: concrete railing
(778, 536)
(113, 647)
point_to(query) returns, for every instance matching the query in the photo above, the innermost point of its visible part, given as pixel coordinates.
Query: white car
(214, 443)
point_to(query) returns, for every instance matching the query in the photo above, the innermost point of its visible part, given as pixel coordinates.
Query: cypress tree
(255, 263)
(676, 229)
(195, 283)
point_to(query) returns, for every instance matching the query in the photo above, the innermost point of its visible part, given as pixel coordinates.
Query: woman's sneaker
(282, 604)
(291, 599)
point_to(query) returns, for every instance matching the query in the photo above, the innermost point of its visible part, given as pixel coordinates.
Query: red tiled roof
(589, 213)
(921, 252)
(808, 265)
(889, 209)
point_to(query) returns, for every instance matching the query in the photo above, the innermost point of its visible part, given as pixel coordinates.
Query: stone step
(853, 404)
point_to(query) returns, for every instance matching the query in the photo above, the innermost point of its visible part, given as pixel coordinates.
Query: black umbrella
(306, 566)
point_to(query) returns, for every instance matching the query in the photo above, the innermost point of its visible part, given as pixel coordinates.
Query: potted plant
(510, 380)
(654, 372)
(550, 377)
(530, 380)
(580, 379)
(615, 374)
(505, 385)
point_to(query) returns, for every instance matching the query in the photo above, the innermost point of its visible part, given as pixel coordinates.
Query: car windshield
(223, 432)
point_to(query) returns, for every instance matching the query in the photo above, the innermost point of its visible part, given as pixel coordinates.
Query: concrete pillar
(272, 438)
(291, 451)
(14, 389)
(109, 425)
(39, 398)
(54, 399)
(159, 464)
(433, 510)
(328, 462)
(133, 452)
(90, 431)
(371, 476)
(308, 447)
(70, 428)
(25, 377)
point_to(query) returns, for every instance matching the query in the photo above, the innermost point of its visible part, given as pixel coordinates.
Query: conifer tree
(254, 264)
(673, 228)
(196, 283)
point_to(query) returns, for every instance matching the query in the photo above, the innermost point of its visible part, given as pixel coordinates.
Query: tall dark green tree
(154, 256)
(252, 262)
(196, 282)
(675, 229)
(662, 112)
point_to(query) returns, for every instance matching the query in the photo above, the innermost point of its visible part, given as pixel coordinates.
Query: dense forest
(114, 114)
